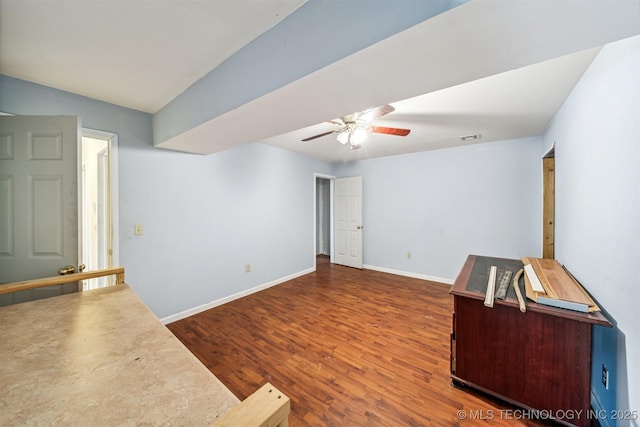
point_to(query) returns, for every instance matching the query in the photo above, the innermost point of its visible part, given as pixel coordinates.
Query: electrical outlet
(605, 377)
(408, 255)
(247, 268)
(137, 230)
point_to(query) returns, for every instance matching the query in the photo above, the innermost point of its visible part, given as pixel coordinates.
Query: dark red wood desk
(537, 360)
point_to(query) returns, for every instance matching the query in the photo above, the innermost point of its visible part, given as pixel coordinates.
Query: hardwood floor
(349, 347)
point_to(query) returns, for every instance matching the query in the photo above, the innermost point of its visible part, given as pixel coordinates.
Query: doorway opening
(548, 204)
(98, 228)
(323, 232)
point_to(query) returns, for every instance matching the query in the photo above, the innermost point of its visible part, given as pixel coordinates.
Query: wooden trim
(267, 406)
(59, 280)
(460, 288)
(113, 188)
(548, 209)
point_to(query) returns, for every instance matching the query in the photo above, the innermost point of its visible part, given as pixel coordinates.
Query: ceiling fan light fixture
(355, 128)
(358, 136)
(343, 137)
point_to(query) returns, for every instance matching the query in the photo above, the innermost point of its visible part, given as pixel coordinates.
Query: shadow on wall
(609, 381)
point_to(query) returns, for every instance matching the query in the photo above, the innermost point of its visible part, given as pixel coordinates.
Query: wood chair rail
(62, 279)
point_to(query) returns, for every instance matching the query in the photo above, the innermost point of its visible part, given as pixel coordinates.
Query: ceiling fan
(354, 127)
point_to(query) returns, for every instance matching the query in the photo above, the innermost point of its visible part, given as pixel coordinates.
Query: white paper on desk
(533, 279)
(491, 286)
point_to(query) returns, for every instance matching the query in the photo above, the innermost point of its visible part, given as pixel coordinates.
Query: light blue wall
(204, 217)
(295, 47)
(597, 137)
(444, 205)
(21, 97)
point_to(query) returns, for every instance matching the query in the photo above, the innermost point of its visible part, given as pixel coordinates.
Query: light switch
(137, 230)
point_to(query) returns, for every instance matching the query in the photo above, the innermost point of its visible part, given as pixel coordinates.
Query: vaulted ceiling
(217, 74)
(138, 54)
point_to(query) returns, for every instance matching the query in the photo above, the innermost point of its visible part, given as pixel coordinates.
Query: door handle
(70, 269)
(359, 227)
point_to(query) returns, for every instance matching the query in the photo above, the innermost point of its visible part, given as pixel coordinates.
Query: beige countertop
(100, 358)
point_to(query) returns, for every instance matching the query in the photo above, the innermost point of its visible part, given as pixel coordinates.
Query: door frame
(112, 140)
(548, 204)
(315, 215)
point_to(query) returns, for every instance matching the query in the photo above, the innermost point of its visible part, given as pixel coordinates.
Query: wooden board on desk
(558, 284)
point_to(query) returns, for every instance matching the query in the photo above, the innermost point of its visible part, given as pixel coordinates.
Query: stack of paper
(547, 282)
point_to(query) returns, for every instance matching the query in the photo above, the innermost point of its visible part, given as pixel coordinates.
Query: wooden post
(548, 209)
(266, 407)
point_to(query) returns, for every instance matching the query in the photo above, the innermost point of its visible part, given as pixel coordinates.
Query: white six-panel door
(348, 221)
(38, 197)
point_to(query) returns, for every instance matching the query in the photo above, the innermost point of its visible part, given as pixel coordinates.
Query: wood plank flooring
(349, 347)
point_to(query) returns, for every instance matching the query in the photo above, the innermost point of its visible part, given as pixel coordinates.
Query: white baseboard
(195, 310)
(224, 300)
(409, 274)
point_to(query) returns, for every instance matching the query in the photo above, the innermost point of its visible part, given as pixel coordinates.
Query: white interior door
(348, 221)
(38, 199)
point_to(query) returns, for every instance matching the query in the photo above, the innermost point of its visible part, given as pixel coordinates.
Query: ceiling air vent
(470, 137)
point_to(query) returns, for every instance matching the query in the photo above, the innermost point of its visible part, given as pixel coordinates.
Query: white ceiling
(470, 71)
(139, 54)
(515, 104)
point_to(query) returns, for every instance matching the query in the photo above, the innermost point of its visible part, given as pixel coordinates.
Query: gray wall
(444, 205)
(206, 217)
(597, 137)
